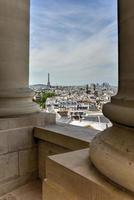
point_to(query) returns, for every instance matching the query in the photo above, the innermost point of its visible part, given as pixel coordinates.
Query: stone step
(30, 191)
(71, 176)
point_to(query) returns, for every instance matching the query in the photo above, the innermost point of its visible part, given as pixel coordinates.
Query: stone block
(29, 191)
(3, 143)
(73, 176)
(28, 161)
(13, 140)
(20, 138)
(46, 118)
(59, 138)
(18, 149)
(8, 166)
(46, 149)
(37, 119)
(24, 121)
(4, 124)
(54, 192)
(8, 186)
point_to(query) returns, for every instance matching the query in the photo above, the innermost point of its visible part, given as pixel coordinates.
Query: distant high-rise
(48, 83)
(87, 89)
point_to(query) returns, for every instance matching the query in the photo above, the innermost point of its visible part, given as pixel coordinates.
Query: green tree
(43, 98)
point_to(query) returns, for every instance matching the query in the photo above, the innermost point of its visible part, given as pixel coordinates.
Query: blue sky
(74, 40)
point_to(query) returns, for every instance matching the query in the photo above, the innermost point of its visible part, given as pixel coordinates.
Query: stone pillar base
(72, 176)
(14, 102)
(112, 152)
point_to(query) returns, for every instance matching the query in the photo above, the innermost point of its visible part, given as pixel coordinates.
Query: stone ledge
(37, 119)
(67, 136)
(72, 175)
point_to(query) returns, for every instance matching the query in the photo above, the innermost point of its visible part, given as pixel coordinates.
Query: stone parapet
(72, 176)
(37, 119)
(19, 149)
(60, 138)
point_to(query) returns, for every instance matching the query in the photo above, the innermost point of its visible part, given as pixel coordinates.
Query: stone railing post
(15, 95)
(112, 151)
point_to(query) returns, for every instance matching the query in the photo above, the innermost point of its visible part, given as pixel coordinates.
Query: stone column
(112, 151)
(15, 95)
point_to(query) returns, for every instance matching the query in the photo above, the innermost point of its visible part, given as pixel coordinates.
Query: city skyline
(50, 84)
(75, 41)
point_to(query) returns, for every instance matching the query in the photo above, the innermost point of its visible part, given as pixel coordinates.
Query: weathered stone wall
(19, 150)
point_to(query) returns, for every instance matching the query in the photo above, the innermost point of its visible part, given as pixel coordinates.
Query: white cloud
(86, 50)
